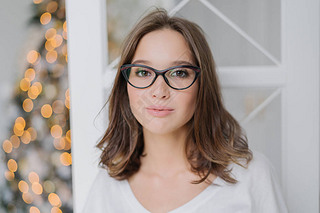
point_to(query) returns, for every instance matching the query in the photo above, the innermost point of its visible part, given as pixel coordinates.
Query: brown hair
(217, 138)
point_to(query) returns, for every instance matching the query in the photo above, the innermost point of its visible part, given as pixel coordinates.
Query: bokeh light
(55, 210)
(33, 56)
(50, 33)
(54, 200)
(51, 56)
(58, 107)
(46, 111)
(49, 46)
(65, 49)
(52, 6)
(30, 74)
(12, 165)
(56, 131)
(27, 198)
(38, 85)
(17, 131)
(33, 133)
(34, 209)
(25, 84)
(7, 146)
(67, 100)
(65, 26)
(59, 143)
(45, 18)
(66, 159)
(20, 123)
(37, 188)
(27, 105)
(26, 137)
(23, 186)
(57, 41)
(15, 141)
(37, 1)
(33, 92)
(9, 175)
(49, 186)
(33, 177)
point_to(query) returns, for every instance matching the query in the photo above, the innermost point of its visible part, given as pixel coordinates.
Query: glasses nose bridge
(161, 73)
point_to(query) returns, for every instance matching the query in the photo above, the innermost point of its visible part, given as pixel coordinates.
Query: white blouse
(257, 191)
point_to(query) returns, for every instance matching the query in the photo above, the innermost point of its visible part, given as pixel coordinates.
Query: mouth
(159, 111)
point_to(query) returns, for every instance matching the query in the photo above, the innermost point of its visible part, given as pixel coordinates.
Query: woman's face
(159, 108)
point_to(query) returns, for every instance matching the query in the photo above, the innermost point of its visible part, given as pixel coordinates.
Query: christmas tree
(37, 150)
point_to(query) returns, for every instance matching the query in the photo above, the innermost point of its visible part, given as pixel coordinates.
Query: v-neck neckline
(186, 207)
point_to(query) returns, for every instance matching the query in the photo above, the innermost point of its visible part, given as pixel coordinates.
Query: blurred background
(248, 41)
(35, 164)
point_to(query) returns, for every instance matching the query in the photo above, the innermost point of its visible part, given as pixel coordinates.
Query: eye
(143, 73)
(180, 73)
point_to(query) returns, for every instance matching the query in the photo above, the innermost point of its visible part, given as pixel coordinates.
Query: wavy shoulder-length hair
(216, 137)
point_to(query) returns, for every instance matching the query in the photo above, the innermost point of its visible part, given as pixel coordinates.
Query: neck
(165, 154)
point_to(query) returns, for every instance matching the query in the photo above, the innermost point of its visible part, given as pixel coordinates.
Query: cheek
(136, 101)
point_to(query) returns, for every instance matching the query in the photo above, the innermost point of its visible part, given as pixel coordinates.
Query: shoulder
(261, 183)
(104, 190)
(258, 167)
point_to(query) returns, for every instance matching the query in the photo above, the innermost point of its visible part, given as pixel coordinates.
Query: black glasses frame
(124, 67)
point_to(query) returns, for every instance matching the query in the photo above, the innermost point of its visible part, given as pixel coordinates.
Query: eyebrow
(174, 63)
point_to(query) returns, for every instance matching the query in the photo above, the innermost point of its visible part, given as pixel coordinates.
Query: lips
(159, 111)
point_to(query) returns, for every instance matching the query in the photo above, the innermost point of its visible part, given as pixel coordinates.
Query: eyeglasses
(177, 77)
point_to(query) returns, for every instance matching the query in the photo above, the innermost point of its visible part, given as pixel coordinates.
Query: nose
(160, 89)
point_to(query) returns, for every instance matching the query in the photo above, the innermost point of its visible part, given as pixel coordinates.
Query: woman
(171, 146)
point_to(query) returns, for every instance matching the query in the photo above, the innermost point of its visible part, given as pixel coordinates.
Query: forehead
(162, 48)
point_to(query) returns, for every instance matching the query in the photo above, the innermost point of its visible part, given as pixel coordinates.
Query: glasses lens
(181, 77)
(140, 76)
